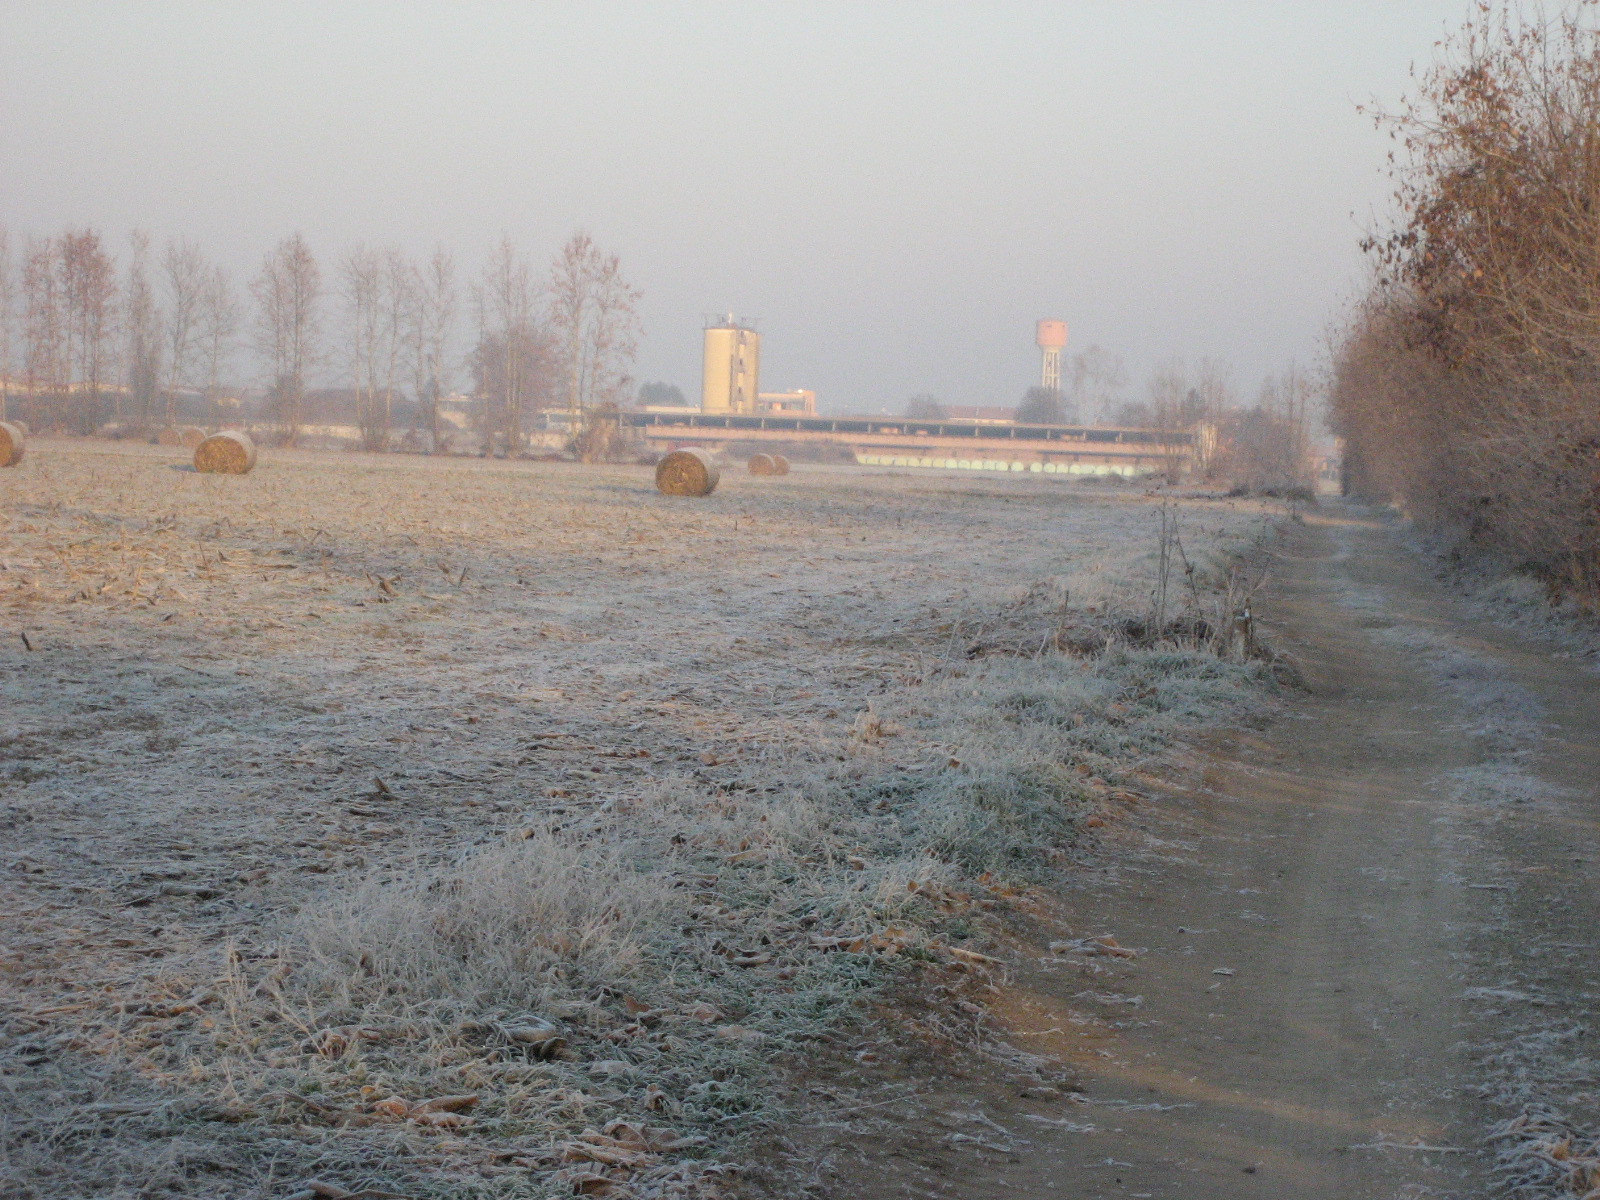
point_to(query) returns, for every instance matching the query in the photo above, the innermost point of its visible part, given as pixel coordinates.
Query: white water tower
(1052, 341)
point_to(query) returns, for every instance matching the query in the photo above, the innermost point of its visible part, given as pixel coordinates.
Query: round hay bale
(687, 473)
(225, 453)
(22, 425)
(12, 441)
(192, 436)
(780, 465)
(761, 464)
(170, 436)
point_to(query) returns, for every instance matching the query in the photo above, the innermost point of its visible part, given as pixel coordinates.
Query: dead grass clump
(12, 443)
(1002, 817)
(543, 989)
(509, 927)
(663, 957)
(687, 473)
(226, 453)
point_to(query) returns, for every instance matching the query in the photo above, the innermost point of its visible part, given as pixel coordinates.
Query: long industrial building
(896, 442)
(736, 415)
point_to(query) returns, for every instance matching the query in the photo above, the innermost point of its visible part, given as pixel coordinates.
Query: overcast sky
(896, 192)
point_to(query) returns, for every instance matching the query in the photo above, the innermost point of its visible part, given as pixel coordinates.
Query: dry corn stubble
(226, 453)
(12, 443)
(687, 473)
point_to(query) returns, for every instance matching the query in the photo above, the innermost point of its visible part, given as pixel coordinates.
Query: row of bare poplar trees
(84, 341)
(1467, 386)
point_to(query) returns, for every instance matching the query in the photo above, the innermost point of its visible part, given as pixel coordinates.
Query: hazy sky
(895, 191)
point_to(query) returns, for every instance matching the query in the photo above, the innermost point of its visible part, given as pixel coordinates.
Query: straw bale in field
(780, 465)
(11, 443)
(225, 453)
(762, 464)
(687, 473)
(170, 436)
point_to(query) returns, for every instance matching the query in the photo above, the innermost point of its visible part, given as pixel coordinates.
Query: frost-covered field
(480, 828)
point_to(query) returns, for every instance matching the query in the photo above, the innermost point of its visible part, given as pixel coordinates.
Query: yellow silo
(732, 368)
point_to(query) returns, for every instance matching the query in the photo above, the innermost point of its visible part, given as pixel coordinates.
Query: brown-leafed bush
(1466, 386)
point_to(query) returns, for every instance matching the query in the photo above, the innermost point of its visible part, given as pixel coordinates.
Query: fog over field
(897, 194)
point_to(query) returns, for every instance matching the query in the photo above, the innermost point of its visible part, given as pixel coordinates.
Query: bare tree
(1172, 410)
(1097, 378)
(1214, 393)
(594, 316)
(1267, 447)
(185, 273)
(89, 289)
(397, 294)
(142, 325)
(1170, 393)
(1040, 406)
(361, 279)
(44, 331)
(216, 327)
(288, 294)
(504, 299)
(432, 321)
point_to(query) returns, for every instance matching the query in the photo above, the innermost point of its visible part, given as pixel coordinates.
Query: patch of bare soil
(1355, 958)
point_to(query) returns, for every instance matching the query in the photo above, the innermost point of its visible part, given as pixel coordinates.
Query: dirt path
(1368, 937)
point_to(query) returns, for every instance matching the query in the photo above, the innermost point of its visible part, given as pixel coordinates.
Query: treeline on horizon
(1467, 386)
(1264, 445)
(132, 343)
(86, 341)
